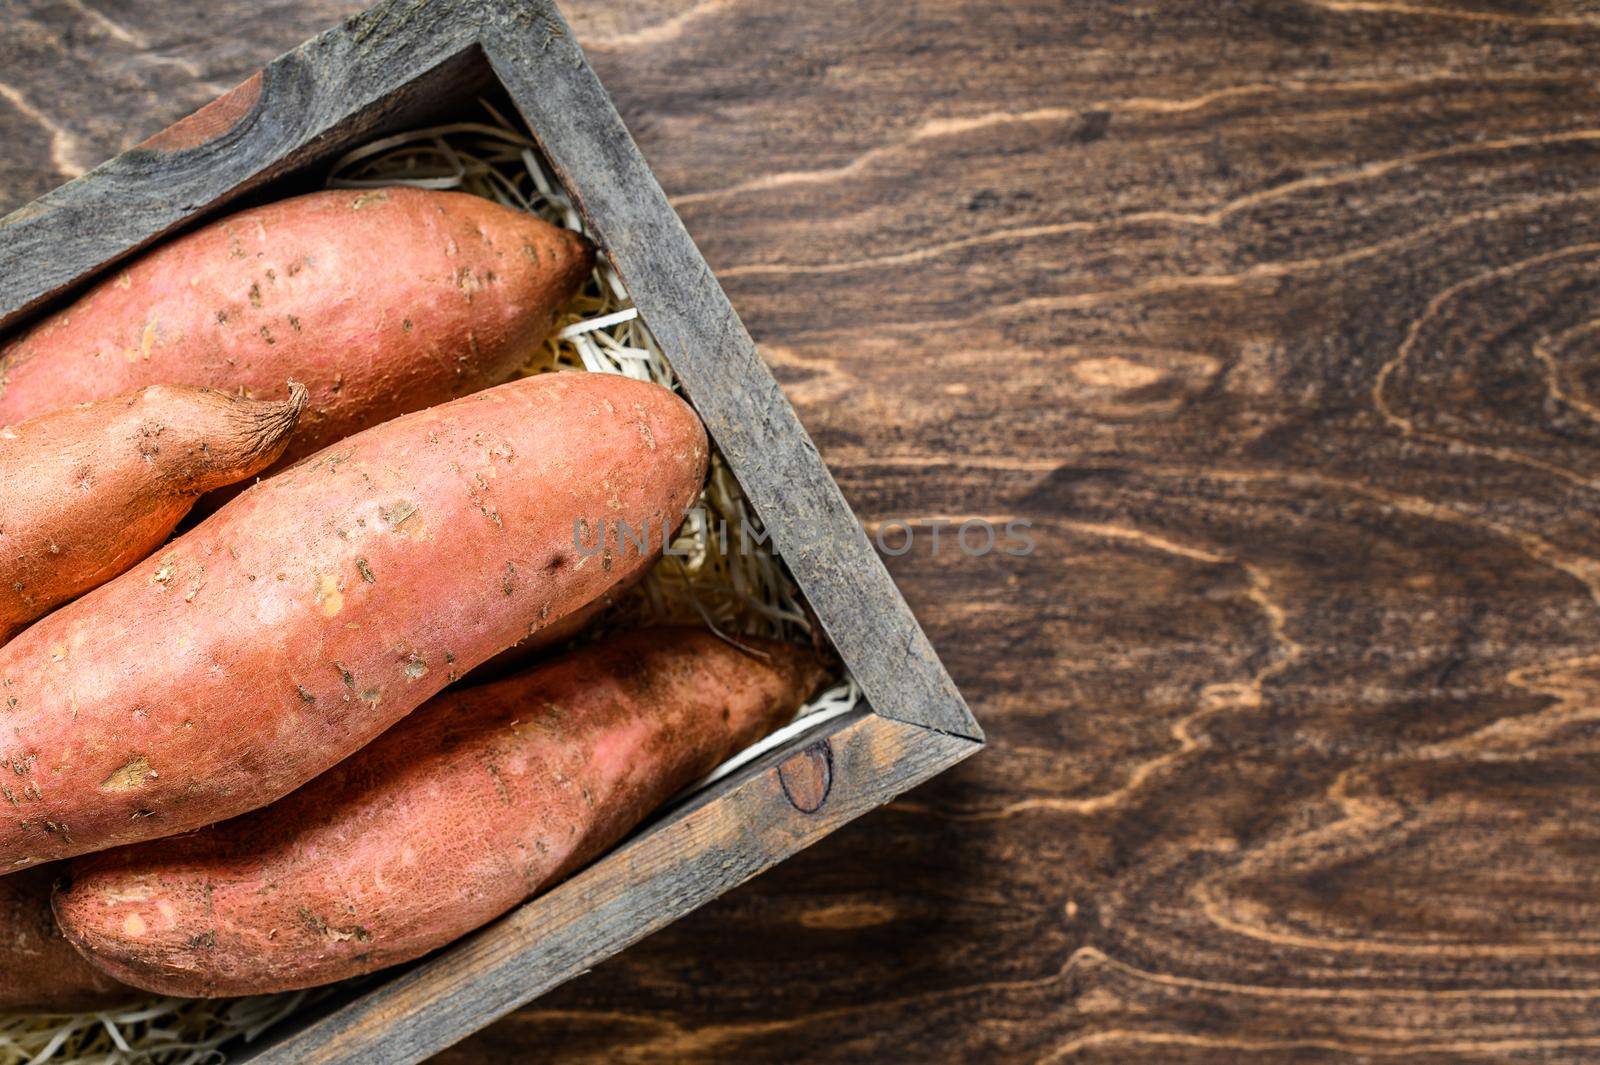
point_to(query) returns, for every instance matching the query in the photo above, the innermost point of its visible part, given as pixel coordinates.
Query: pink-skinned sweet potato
(88, 491)
(479, 800)
(381, 302)
(550, 638)
(40, 972)
(326, 603)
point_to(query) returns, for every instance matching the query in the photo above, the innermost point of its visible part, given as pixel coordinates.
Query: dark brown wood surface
(1280, 322)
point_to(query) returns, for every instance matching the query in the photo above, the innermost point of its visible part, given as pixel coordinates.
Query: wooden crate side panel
(535, 56)
(780, 808)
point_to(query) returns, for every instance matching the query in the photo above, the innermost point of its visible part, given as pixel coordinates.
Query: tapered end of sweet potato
(518, 276)
(40, 972)
(88, 491)
(800, 670)
(250, 436)
(551, 267)
(572, 258)
(757, 683)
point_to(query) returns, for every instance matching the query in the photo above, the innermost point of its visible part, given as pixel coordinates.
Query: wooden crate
(400, 65)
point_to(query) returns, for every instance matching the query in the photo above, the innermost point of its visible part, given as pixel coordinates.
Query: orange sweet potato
(40, 972)
(88, 491)
(326, 603)
(551, 637)
(382, 302)
(473, 804)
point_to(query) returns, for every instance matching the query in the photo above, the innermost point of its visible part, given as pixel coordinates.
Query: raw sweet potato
(550, 638)
(326, 603)
(382, 302)
(473, 804)
(40, 972)
(88, 491)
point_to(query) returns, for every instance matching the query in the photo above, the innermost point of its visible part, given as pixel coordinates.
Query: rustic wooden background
(1279, 320)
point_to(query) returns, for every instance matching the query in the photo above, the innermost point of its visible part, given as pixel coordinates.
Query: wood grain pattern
(213, 120)
(1275, 317)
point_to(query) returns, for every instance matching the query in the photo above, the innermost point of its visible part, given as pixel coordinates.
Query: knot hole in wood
(807, 777)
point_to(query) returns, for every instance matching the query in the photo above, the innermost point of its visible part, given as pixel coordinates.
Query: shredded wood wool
(721, 572)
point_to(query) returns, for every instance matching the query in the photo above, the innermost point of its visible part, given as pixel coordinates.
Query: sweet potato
(89, 491)
(382, 302)
(550, 638)
(476, 802)
(326, 603)
(40, 972)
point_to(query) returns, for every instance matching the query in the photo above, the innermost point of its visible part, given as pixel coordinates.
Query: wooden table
(1280, 324)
